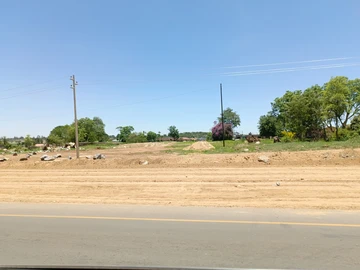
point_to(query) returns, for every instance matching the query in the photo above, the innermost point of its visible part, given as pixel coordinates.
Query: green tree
(151, 136)
(299, 111)
(124, 133)
(280, 108)
(136, 137)
(91, 130)
(5, 142)
(62, 133)
(269, 126)
(231, 117)
(28, 142)
(336, 100)
(355, 123)
(55, 139)
(99, 129)
(173, 132)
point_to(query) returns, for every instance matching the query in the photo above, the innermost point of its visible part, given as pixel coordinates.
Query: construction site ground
(147, 174)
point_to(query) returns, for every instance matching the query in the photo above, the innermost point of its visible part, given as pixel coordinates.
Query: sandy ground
(328, 179)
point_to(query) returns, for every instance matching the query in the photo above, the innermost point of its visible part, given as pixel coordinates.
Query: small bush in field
(287, 136)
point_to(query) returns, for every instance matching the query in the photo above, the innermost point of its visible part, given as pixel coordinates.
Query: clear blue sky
(152, 64)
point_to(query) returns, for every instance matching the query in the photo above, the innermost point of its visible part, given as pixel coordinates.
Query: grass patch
(266, 145)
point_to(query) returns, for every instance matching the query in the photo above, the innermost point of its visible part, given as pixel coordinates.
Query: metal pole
(73, 87)
(222, 115)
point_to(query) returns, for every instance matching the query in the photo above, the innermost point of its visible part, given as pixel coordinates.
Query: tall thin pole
(222, 115)
(73, 87)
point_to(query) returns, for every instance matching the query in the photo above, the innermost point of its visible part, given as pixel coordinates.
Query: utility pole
(73, 87)
(222, 115)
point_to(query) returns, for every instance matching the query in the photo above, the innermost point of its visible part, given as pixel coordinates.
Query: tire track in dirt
(300, 187)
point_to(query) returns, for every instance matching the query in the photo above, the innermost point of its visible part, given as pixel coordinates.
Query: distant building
(165, 139)
(186, 139)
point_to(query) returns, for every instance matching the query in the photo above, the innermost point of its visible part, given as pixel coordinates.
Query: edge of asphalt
(146, 213)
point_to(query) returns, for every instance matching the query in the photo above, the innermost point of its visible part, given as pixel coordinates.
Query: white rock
(263, 159)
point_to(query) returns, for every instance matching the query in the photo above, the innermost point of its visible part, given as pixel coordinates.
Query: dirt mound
(200, 146)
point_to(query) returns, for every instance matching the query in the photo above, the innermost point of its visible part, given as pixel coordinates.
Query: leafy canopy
(173, 132)
(124, 133)
(231, 117)
(151, 136)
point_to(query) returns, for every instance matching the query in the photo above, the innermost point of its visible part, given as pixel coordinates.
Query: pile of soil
(200, 146)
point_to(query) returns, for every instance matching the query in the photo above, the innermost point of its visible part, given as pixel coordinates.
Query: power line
(271, 71)
(31, 92)
(29, 85)
(296, 62)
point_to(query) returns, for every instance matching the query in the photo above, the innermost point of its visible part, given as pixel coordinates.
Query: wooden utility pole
(73, 87)
(222, 115)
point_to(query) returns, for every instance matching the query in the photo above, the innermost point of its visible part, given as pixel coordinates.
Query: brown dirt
(201, 146)
(328, 179)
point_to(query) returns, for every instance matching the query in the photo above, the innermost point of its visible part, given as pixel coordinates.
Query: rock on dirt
(99, 156)
(264, 159)
(201, 146)
(143, 162)
(49, 159)
(2, 159)
(246, 150)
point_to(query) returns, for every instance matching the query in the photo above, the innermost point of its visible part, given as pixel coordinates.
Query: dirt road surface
(328, 179)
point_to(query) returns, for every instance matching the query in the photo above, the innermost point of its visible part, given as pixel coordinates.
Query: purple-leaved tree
(217, 133)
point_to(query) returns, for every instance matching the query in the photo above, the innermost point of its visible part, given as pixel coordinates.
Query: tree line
(327, 111)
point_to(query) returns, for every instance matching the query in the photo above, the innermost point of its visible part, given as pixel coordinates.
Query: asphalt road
(178, 236)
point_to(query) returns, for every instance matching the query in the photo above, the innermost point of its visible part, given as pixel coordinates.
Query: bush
(4, 143)
(136, 138)
(55, 139)
(287, 136)
(344, 134)
(217, 132)
(151, 136)
(29, 142)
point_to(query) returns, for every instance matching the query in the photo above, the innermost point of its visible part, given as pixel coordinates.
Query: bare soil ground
(327, 179)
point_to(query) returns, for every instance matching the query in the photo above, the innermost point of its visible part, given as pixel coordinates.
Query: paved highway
(178, 236)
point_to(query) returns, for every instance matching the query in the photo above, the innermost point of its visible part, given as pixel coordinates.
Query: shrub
(136, 138)
(217, 132)
(345, 134)
(29, 142)
(287, 136)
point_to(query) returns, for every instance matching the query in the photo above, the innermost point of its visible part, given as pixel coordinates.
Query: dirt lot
(328, 179)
